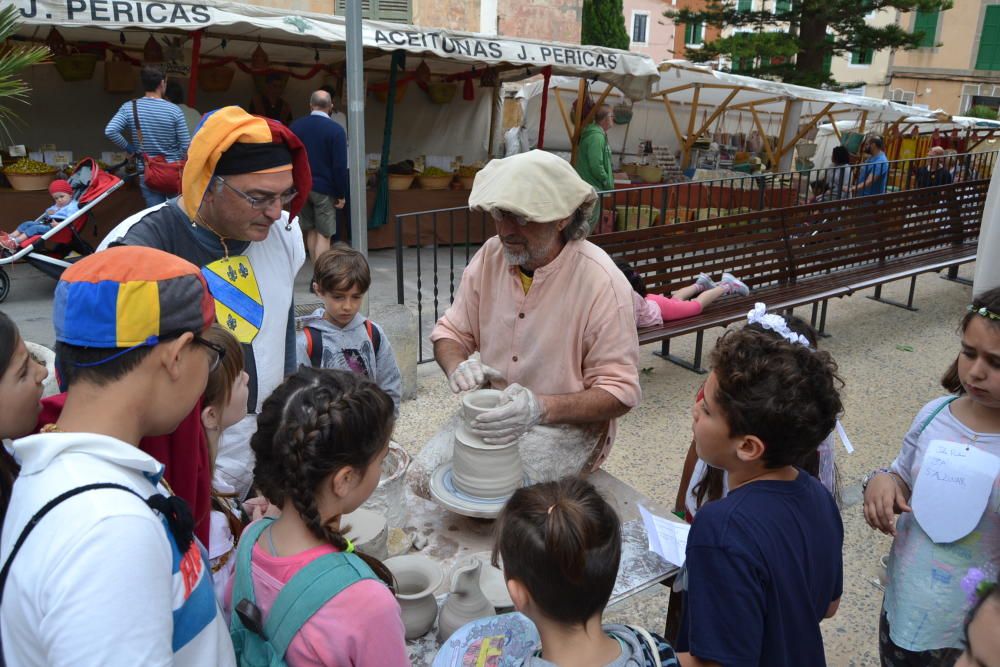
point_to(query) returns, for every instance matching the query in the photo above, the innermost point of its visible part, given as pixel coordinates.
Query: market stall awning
(302, 37)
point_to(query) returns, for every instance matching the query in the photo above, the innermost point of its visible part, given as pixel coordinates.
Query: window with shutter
(693, 33)
(782, 6)
(926, 22)
(744, 5)
(828, 58)
(394, 11)
(640, 22)
(862, 57)
(989, 40)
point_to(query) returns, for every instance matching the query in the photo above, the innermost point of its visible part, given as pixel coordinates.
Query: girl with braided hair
(320, 441)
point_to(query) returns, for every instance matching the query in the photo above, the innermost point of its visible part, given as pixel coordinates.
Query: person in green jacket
(593, 155)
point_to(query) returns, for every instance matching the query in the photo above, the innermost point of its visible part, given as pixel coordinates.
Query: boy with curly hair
(764, 564)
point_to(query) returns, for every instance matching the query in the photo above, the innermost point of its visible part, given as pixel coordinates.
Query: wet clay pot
(479, 469)
(417, 577)
(466, 602)
(485, 471)
(368, 530)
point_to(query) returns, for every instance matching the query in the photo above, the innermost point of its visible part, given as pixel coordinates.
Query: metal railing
(433, 247)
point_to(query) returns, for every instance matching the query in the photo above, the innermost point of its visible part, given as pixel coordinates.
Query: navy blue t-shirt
(763, 564)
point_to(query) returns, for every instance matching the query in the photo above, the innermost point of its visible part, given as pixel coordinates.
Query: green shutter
(989, 41)
(926, 22)
(782, 6)
(692, 33)
(394, 11)
(828, 58)
(862, 57)
(698, 28)
(744, 5)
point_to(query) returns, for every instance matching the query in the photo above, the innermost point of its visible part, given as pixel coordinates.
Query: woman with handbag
(159, 138)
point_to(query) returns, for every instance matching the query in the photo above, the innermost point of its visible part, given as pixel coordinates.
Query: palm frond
(14, 58)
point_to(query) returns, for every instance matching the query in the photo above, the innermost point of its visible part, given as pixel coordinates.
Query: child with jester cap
(103, 567)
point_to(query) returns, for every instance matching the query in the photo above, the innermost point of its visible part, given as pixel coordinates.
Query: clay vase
(368, 530)
(479, 469)
(417, 577)
(466, 602)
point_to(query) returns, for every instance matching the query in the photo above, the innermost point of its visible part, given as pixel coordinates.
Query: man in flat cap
(544, 315)
(245, 180)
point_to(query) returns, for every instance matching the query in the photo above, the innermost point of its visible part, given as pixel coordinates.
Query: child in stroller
(64, 205)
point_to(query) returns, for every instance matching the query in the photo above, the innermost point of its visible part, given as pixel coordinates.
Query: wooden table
(451, 538)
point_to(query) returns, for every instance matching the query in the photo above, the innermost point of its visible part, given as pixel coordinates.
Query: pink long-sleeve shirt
(573, 330)
(359, 626)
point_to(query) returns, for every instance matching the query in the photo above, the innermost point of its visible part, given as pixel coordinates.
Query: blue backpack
(261, 643)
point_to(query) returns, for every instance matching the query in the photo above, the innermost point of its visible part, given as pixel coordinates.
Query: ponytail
(562, 540)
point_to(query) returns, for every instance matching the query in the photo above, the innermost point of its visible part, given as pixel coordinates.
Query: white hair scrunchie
(775, 323)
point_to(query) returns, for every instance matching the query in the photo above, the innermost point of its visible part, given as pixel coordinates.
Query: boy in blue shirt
(764, 564)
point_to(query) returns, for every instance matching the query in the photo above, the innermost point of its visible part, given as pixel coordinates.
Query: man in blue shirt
(326, 145)
(874, 173)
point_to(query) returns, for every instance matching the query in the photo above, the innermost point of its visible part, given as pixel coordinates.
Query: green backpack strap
(243, 577)
(311, 588)
(934, 414)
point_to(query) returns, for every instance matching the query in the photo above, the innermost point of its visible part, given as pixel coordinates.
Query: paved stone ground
(886, 384)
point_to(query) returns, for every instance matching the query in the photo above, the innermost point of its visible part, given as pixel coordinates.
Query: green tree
(14, 57)
(983, 111)
(604, 24)
(793, 40)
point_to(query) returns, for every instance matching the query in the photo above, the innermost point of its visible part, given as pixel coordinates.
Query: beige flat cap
(537, 185)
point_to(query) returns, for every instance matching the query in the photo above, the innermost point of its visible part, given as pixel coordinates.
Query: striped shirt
(164, 130)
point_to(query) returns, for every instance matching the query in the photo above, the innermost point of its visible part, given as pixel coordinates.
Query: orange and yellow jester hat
(230, 141)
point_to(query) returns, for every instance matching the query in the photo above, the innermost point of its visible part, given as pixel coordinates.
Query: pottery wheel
(445, 493)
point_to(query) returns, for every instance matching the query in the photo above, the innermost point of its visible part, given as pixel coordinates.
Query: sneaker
(7, 243)
(704, 281)
(734, 286)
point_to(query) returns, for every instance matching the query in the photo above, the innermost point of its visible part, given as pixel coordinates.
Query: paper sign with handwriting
(667, 538)
(953, 489)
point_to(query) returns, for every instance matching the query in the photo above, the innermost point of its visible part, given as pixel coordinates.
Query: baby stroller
(48, 252)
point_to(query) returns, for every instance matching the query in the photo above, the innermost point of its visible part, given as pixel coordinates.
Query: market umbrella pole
(356, 131)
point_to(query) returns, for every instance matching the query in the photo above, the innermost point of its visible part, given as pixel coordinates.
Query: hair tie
(775, 323)
(350, 546)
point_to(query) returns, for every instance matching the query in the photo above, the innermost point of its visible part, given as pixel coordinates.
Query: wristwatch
(872, 475)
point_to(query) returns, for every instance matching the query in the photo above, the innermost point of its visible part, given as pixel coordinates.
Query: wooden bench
(804, 255)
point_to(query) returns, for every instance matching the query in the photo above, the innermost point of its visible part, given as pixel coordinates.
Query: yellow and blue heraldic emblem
(238, 306)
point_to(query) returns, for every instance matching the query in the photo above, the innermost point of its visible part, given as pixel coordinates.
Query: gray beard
(516, 258)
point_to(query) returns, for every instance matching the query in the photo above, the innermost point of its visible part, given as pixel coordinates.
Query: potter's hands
(884, 499)
(472, 374)
(519, 410)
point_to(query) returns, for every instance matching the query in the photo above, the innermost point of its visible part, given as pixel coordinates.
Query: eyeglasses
(262, 203)
(499, 215)
(217, 352)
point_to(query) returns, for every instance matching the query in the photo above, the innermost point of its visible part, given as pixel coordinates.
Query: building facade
(649, 31)
(866, 72)
(958, 66)
(689, 38)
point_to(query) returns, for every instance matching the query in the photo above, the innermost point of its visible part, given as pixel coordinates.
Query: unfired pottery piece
(417, 577)
(485, 471)
(477, 402)
(466, 601)
(368, 530)
(493, 584)
(444, 493)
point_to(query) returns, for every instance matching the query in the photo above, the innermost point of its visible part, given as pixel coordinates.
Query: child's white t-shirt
(924, 600)
(99, 582)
